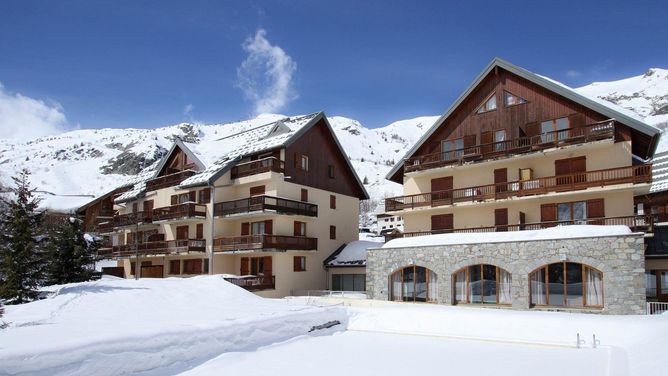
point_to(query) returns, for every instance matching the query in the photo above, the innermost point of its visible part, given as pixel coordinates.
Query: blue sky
(146, 64)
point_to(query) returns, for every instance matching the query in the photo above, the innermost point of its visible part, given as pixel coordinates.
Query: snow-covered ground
(206, 326)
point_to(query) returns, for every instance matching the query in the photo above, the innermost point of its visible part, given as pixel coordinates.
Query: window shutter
(469, 142)
(205, 196)
(576, 120)
(486, 138)
(304, 195)
(200, 231)
(595, 208)
(442, 222)
(297, 160)
(268, 227)
(257, 191)
(562, 167)
(295, 263)
(148, 206)
(579, 164)
(174, 199)
(332, 202)
(267, 266)
(297, 228)
(245, 229)
(244, 266)
(192, 196)
(533, 129)
(548, 212)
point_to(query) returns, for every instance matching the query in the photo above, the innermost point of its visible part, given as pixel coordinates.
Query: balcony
(132, 219)
(521, 145)
(270, 242)
(638, 223)
(257, 167)
(161, 247)
(520, 188)
(254, 283)
(265, 203)
(188, 210)
(168, 180)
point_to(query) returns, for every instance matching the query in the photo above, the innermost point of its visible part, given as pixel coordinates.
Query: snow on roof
(223, 153)
(659, 173)
(351, 254)
(552, 233)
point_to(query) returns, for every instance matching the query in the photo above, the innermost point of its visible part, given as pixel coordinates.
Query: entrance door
(500, 182)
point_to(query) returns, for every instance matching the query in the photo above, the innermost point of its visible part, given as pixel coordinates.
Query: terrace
(254, 283)
(160, 247)
(259, 242)
(170, 180)
(522, 145)
(520, 188)
(257, 167)
(265, 203)
(188, 210)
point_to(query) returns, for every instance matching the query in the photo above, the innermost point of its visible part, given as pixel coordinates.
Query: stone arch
(413, 283)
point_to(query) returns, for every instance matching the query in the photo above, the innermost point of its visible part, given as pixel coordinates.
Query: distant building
(389, 223)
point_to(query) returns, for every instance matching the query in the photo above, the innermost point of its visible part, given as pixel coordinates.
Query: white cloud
(25, 118)
(266, 75)
(188, 111)
(572, 73)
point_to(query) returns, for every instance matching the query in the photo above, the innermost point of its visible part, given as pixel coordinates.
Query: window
(256, 265)
(175, 267)
(332, 202)
(566, 284)
(488, 105)
(442, 222)
(413, 284)
(204, 196)
(452, 149)
(184, 198)
(554, 130)
(299, 264)
(257, 228)
(572, 211)
(299, 228)
(301, 162)
(205, 268)
(510, 99)
(348, 282)
(192, 266)
(330, 171)
(332, 232)
(499, 138)
(482, 284)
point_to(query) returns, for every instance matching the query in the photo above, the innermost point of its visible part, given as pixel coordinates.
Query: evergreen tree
(71, 255)
(21, 257)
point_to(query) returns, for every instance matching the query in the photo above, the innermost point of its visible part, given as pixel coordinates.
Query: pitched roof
(604, 108)
(351, 254)
(217, 157)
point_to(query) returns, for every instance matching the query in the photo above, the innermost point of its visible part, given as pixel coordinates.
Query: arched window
(482, 284)
(566, 284)
(413, 284)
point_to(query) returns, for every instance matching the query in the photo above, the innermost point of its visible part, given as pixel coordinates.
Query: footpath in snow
(147, 327)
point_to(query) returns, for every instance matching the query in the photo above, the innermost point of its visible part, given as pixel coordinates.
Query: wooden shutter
(267, 266)
(486, 139)
(129, 238)
(297, 228)
(174, 200)
(244, 266)
(576, 120)
(444, 188)
(257, 191)
(332, 202)
(245, 229)
(148, 206)
(192, 196)
(469, 141)
(532, 129)
(268, 227)
(200, 231)
(548, 213)
(296, 264)
(442, 222)
(595, 208)
(304, 195)
(182, 232)
(501, 219)
(205, 196)
(579, 164)
(500, 176)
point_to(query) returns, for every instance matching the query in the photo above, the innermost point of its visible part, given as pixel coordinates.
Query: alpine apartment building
(518, 151)
(265, 207)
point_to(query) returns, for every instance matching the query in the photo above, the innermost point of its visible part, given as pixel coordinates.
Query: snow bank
(153, 327)
(552, 233)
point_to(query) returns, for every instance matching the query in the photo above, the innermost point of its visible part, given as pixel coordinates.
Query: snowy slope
(88, 163)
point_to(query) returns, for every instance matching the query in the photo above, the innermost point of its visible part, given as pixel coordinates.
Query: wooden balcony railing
(181, 211)
(132, 219)
(521, 145)
(263, 203)
(519, 188)
(639, 223)
(159, 247)
(257, 167)
(278, 242)
(254, 283)
(169, 180)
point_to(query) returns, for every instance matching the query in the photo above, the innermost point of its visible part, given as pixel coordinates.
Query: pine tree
(366, 180)
(71, 255)
(21, 257)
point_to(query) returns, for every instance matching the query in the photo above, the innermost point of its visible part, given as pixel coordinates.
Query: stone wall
(620, 258)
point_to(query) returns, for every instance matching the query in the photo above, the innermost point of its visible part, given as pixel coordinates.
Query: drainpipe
(213, 226)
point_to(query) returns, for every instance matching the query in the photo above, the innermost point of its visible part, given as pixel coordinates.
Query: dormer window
(488, 105)
(510, 99)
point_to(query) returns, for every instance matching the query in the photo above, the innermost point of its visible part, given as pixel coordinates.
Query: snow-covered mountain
(645, 95)
(72, 168)
(75, 166)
